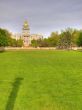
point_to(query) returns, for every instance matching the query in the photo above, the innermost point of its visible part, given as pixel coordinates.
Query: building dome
(25, 25)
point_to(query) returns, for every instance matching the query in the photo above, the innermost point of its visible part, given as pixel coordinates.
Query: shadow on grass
(13, 95)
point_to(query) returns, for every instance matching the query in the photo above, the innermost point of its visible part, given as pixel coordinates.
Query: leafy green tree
(19, 43)
(34, 43)
(45, 43)
(65, 39)
(74, 36)
(53, 39)
(79, 40)
(4, 36)
(13, 43)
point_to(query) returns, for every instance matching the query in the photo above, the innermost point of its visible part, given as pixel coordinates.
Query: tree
(13, 43)
(74, 36)
(79, 40)
(44, 43)
(65, 39)
(53, 39)
(4, 36)
(34, 43)
(19, 43)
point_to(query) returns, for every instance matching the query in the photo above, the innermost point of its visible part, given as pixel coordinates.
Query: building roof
(26, 25)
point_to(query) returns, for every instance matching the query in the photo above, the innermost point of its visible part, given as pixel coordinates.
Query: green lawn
(51, 80)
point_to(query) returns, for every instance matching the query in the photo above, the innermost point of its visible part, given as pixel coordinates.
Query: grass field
(46, 80)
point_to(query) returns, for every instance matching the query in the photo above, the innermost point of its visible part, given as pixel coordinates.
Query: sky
(43, 16)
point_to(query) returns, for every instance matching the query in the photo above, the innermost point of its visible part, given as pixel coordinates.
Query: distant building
(26, 36)
(36, 36)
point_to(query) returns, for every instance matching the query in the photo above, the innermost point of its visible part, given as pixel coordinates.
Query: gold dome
(25, 26)
(25, 23)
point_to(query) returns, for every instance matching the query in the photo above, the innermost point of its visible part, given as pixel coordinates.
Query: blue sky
(44, 16)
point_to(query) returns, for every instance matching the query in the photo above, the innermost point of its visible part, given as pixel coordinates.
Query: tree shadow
(13, 95)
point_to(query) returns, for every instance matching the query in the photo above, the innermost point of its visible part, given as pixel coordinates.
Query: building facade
(27, 37)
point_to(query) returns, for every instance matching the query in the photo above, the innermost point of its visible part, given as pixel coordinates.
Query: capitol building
(26, 36)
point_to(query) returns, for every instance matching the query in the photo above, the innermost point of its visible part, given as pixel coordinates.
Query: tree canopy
(4, 37)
